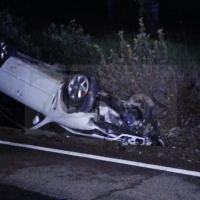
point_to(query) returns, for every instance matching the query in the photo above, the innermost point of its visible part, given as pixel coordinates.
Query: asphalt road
(32, 174)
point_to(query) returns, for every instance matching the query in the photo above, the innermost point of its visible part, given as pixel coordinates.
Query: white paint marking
(107, 159)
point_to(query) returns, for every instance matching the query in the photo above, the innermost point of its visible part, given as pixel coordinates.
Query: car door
(27, 84)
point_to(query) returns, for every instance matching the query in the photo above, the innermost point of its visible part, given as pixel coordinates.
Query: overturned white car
(74, 101)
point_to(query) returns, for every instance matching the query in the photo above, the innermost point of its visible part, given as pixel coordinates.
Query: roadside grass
(185, 57)
(182, 57)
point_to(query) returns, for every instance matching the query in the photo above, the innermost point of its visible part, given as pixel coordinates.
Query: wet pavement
(44, 175)
(8, 192)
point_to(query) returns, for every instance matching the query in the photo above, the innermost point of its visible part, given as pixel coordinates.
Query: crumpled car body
(74, 101)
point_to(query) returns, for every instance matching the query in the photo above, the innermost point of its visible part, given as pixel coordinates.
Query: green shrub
(148, 51)
(124, 65)
(58, 43)
(139, 67)
(68, 45)
(14, 30)
(9, 29)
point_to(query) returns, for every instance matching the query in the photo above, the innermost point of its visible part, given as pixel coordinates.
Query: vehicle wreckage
(74, 101)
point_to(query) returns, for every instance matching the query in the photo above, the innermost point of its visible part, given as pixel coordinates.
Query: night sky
(175, 16)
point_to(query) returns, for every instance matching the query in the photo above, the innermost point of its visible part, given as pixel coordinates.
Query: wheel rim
(78, 87)
(4, 50)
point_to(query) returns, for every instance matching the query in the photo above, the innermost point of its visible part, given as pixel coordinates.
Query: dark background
(176, 17)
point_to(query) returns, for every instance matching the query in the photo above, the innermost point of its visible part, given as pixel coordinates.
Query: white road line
(107, 159)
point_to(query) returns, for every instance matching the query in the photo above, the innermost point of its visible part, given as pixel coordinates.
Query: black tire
(159, 143)
(86, 83)
(145, 104)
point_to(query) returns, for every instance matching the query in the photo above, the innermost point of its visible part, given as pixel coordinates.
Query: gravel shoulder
(178, 152)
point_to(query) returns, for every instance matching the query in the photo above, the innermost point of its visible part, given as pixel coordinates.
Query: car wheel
(144, 103)
(78, 88)
(5, 52)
